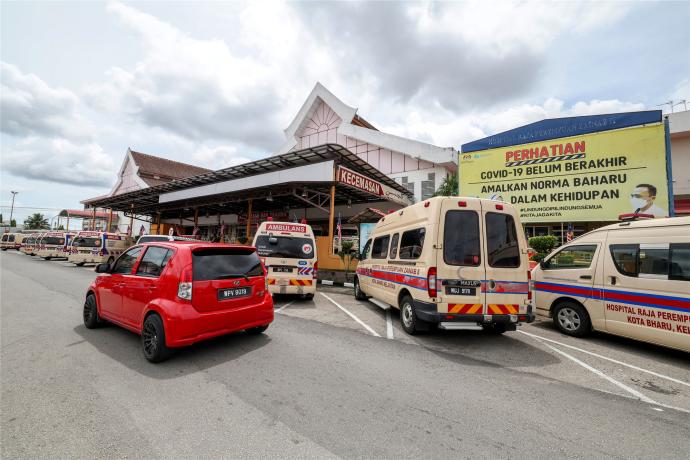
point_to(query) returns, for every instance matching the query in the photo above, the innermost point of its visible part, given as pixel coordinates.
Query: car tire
(408, 317)
(306, 297)
(359, 294)
(572, 319)
(91, 318)
(80, 264)
(257, 330)
(47, 258)
(153, 340)
(494, 328)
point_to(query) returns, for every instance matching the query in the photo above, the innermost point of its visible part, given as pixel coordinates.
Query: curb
(335, 283)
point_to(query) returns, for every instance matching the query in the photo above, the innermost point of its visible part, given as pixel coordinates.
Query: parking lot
(332, 377)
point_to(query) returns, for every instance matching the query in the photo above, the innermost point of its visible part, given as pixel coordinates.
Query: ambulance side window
(366, 252)
(625, 258)
(394, 246)
(380, 249)
(412, 243)
(572, 257)
(679, 268)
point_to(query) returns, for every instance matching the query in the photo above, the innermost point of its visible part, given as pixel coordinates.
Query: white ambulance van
(288, 251)
(55, 245)
(630, 279)
(455, 262)
(98, 247)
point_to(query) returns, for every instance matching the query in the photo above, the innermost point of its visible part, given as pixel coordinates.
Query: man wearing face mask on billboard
(642, 201)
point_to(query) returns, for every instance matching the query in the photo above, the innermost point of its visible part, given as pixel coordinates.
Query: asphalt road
(307, 388)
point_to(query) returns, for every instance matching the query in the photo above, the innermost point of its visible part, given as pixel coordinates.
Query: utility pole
(12, 207)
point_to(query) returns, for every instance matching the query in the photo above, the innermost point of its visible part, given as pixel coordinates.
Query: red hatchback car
(176, 294)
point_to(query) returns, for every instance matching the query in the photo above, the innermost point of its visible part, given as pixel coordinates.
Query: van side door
(459, 259)
(506, 285)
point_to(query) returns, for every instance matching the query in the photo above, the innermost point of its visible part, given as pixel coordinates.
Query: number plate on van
(233, 293)
(459, 290)
(282, 270)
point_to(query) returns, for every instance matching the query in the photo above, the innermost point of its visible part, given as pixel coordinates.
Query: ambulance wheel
(359, 294)
(408, 317)
(47, 258)
(79, 264)
(571, 319)
(308, 296)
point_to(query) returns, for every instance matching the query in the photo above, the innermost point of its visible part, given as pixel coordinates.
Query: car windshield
(285, 246)
(224, 263)
(87, 242)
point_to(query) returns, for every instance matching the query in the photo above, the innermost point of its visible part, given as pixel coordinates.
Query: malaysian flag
(129, 230)
(569, 235)
(340, 234)
(142, 230)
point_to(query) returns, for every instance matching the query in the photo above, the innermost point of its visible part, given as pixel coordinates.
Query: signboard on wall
(366, 184)
(587, 177)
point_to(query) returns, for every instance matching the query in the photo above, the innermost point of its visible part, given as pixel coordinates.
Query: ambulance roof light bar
(627, 217)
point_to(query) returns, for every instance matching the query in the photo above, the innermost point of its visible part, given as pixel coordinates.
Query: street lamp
(12, 207)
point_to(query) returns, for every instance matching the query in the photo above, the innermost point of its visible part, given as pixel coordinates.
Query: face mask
(638, 203)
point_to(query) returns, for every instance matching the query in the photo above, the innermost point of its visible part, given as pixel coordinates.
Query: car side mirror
(544, 264)
(103, 268)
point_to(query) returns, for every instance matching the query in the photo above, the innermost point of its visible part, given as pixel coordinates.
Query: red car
(176, 294)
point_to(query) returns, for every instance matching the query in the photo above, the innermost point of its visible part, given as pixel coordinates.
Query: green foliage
(13, 223)
(37, 221)
(449, 186)
(566, 260)
(538, 257)
(346, 252)
(543, 244)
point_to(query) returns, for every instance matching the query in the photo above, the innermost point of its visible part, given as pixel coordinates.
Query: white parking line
(365, 326)
(389, 324)
(284, 306)
(656, 374)
(623, 386)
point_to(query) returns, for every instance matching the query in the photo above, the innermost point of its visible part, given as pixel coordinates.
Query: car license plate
(234, 293)
(460, 290)
(282, 270)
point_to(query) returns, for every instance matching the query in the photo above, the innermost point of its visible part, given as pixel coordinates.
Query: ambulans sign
(366, 184)
(587, 177)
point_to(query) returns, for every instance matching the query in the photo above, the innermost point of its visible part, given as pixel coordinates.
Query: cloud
(199, 89)
(218, 157)
(454, 55)
(60, 160)
(30, 107)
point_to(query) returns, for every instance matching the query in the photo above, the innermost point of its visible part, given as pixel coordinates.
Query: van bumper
(429, 312)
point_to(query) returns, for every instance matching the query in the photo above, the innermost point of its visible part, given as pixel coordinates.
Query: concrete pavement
(317, 384)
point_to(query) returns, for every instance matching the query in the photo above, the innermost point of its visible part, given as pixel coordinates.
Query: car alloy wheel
(569, 319)
(150, 338)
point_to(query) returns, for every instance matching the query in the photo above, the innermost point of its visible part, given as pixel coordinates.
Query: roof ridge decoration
(353, 125)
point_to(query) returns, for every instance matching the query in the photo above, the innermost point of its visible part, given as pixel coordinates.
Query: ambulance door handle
(586, 277)
(613, 280)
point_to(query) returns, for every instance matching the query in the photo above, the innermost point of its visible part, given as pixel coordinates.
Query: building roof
(156, 170)
(148, 200)
(553, 128)
(358, 128)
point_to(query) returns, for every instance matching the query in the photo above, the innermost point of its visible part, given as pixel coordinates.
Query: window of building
(501, 241)
(461, 238)
(412, 243)
(429, 186)
(380, 247)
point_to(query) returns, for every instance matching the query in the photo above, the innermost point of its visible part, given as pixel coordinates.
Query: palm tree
(36, 220)
(449, 186)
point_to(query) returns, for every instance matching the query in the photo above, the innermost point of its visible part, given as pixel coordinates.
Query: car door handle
(586, 277)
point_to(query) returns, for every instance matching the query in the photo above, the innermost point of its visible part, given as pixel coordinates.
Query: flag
(195, 231)
(340, 234)
(129, 230)
(142, 230)
(569, 235)
(222, 229)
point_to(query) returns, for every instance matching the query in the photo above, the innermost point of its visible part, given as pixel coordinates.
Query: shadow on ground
(125, 347)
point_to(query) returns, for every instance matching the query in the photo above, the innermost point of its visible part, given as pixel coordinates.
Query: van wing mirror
(544, 264)
(103, 268)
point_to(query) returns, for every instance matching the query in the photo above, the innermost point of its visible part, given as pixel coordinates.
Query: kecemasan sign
(355, 180)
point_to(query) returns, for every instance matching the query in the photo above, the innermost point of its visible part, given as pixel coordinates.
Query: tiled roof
(156, 170)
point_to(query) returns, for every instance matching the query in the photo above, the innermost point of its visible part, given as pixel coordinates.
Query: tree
(36, 220)
(449, 186)
(543, 245)
(13, 223)
(346, 252)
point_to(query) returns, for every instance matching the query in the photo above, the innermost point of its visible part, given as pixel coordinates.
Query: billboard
(366, 184)
(586, 177)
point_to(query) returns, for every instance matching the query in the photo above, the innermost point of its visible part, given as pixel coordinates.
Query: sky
(216, 83)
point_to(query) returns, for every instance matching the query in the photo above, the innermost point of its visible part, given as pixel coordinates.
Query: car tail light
(431, 282)
(499, 207)
(184, 289)
(462, 204)
(529, 285)
(316, 268)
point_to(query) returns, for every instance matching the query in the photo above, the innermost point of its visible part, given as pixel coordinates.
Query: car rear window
(285, 246)
(501, 241)
(461, 238)
(87, 242)
(225, 263)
